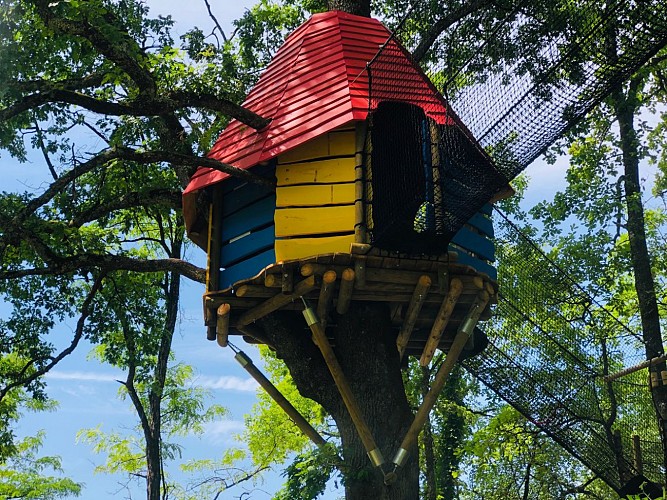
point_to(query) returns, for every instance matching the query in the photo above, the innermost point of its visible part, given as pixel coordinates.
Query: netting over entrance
(419, 179)
(512, 109)
(550, 347)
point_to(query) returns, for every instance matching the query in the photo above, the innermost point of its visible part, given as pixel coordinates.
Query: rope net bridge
(551, 345)
(573, 55)
(551, 350)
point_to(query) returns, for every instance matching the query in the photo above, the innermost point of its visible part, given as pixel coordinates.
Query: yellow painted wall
(315, 197)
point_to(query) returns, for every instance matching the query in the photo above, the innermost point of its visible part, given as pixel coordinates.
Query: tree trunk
(357, 7)
(625, 107)
(369, 359)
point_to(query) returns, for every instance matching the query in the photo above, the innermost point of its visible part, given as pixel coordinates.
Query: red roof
(317, 82)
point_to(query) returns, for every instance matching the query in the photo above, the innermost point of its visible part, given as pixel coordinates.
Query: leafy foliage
(27, 475)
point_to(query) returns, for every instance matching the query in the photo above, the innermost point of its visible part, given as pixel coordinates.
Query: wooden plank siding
(247, 230)
(474, 243)
(315, 197)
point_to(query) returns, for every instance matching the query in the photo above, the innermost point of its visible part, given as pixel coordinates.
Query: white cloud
(227, 382)
(83, 376)
(223, 431)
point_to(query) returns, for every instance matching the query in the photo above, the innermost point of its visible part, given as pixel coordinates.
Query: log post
(310, 268)
(415, 306)
(441, 320)
(464, 332)
(271, 280)
(222, 332)
(345, 291)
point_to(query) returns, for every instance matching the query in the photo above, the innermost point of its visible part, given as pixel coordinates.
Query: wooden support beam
(345, 291)
(310, 268)
(320, 338)
(276, 302)
(287, 280)
(360, 271)
(222, 332)
(637, 454)
(460, 340)
(326, 294)
(416, 303)
(280, 400)
(441, 320)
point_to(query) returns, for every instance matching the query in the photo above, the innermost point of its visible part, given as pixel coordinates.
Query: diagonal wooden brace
(276, 302)
(462, 335)
(441, 320)
(280, 400)
(343, 386)
(416, 303)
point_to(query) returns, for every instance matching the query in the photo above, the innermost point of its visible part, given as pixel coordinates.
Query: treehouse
(371, 175)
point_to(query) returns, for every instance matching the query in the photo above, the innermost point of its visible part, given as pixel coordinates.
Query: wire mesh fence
(534, 73)
(551, 345)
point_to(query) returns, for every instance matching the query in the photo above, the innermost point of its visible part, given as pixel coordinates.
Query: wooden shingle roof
(317, 82)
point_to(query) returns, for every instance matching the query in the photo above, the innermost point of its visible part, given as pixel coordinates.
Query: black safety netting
(433, 162)
(531, 73)
(551, 346)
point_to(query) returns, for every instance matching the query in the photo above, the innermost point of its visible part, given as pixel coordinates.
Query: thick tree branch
(144, 106)
(224, 106)
(108, 263)
(13, 228)
(156, 197)
(195, 161)
(78, 333)
(444, 23)
(39, 85)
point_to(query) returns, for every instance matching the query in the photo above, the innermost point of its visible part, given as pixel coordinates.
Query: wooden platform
(330, 282)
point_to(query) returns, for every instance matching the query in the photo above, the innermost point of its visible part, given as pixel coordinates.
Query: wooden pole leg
(280, 400)
(222, 330)
(416, 303)
(464, 332)
(441, 320)
(343, 386)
